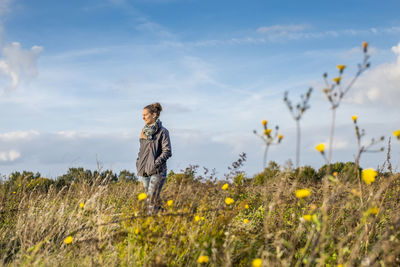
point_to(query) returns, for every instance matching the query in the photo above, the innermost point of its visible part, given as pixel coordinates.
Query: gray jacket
(153, 154)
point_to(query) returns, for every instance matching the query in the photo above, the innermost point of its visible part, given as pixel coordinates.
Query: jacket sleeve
(166, 149)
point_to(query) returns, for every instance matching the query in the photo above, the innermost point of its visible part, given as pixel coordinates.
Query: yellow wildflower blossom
(142, 196)
(197, 218)
(170, 202)
(137, 231)
(355, 192)
(246, 221)
(335, 174)
(257, 263)
(337, 79)
(267, 131)
(302, 193)
(68, 240)
(280, 136)
(202, 259)
(397, 134)
(307, 217)
(246, 206)
(365, 46)
(320, 147)
(229, 200)
(225, 187)
(264, 122)
(82, 205)
(14, 192)
(341, 67)
(368, 175)
(373, 210)
(354, 118)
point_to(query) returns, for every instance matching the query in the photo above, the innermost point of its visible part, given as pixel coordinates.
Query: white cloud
(18, 63)
(4, 6)
(380, 85)
(9, 156)
(18, 135)
(281, 29)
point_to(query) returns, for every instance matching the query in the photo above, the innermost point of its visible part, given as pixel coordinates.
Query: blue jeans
(153, 185)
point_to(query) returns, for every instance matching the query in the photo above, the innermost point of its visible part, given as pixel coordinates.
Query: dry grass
(34, 224)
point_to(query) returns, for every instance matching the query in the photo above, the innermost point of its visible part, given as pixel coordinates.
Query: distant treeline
(29, 180)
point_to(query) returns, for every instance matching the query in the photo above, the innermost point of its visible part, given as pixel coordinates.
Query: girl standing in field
(155, 149)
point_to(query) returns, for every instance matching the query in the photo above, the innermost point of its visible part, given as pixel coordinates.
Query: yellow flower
(368, 175)
(307, 217)
(229, 201)
(137, 231)
(397, 134)
(320, 147)
(337, 79)
(341, 67)
(197, 218)
(68, 240)
(246, 206)
(203, 218)
(225, 187)
(365, 46)
(82, 205)
(280, 136)
(257, 263)
(339, 265)
(267, 131)
(142, 196)
(264, 122)
(335, 174)
(246, 221)
(355, 192)
(302, 193)
(170, 202)
(14, 192)
(19, 185)
(354, 118)
(202, 259)
(373, 210)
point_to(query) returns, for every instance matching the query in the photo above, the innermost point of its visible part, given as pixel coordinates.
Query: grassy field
(339, 215)
(338, 220)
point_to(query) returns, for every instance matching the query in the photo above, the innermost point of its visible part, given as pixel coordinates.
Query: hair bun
(157, 106)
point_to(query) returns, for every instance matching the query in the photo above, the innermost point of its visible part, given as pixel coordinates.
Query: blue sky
(74, 77)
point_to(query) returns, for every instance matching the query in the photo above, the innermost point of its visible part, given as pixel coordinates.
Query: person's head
(151, 113)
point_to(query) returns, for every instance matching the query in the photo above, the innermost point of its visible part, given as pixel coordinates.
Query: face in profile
(148, 117)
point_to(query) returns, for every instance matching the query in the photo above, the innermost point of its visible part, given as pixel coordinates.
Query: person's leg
(145, 181)
(155, 186)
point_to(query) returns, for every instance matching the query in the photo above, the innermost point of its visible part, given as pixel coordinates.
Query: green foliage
(306, 174)
(272, 170)
(127, 176)
(40, 184)
(346, 171)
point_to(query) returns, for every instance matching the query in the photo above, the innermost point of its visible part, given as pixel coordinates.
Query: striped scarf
(149, 130)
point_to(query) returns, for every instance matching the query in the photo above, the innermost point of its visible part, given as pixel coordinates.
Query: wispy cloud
(281, 29)
(380, 85)
(19, 63)
(4, 6)
(9, 156)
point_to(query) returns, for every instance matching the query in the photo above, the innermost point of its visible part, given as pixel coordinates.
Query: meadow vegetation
(338, 215)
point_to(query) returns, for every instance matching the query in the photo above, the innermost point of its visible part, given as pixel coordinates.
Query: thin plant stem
(331, 137)
(298, 143)
(265, 156)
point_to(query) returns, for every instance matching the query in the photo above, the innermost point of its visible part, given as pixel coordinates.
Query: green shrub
(270, 172)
